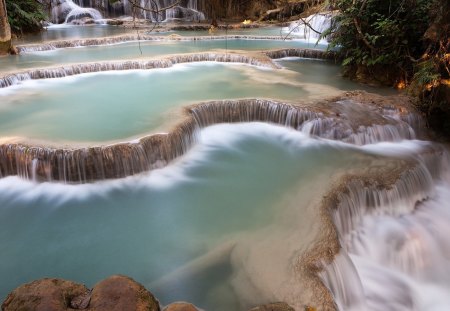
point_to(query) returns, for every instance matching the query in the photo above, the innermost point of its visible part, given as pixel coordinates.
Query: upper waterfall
(311, 27)
(66, 11)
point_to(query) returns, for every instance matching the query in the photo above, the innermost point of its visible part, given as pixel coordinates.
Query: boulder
(277, 306)
(181, 306)
(114, 22)
(44, 295)
(118, 293)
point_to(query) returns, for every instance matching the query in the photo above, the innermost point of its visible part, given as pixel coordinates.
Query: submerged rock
(116, 293)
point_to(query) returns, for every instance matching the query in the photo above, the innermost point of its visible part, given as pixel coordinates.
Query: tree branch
(157, 11)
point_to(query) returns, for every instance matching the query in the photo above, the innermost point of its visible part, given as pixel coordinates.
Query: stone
(276, 306)
(114, 22)
(43, 295)
(118, 293)
(181, 306)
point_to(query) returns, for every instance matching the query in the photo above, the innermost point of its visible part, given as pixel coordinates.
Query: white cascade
(395, 253)
(311, 27)
(67, 11)
(186, 10)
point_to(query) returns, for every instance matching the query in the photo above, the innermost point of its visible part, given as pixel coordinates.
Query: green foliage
(383, 33)
(427, 73)
(25, 15)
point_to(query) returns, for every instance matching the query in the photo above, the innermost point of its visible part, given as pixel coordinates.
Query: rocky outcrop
(116, 293)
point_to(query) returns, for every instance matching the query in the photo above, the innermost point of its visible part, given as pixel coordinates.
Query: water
(134, 50)
(397, 239)
(156, 223)
(67, 11)
(66, 32)
(115, 106)
(311, 27)
(235, 221)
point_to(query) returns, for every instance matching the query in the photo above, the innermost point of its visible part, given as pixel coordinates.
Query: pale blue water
(213, 224)
(134, 50)
(112, 106)
(226, 190)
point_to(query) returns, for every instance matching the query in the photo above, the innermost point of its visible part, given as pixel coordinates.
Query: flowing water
(161, 229)
(55, 109)
(237, 213)
(132, 50)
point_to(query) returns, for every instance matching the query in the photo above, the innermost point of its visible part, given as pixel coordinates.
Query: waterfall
(393, 236)
(72, 70)
(311, 27)
(154, 151)
(67, 11)
(275, 54)
(187, 10)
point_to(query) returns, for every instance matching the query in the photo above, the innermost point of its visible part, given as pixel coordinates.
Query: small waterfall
(72, 70)
(312, 26)
(393, 233)
(304, 53)
(275, 54)
(124, 159)
(186, 10)
(342, 279)
(67, 11)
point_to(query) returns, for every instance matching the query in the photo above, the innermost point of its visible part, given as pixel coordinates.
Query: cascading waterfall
(67, 11)
(188, 13)
(392, 238)
(59, 72)
(125, 159)
(311, 27)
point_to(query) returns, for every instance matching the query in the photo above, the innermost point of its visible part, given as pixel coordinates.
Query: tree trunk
(5, 30)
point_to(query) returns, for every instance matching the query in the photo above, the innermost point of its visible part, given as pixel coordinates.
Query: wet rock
(181, 306)
(82, 21)
(81, 302)
(43, 295)
(114, 22)
(118, 293)
(276, 306)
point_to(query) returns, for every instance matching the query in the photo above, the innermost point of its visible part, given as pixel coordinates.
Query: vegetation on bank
(25, 16)
(399, 43)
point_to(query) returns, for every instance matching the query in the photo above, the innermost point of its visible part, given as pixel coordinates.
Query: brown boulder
(118, 293)
(277, 306)
(43, 295)
(181, 306)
